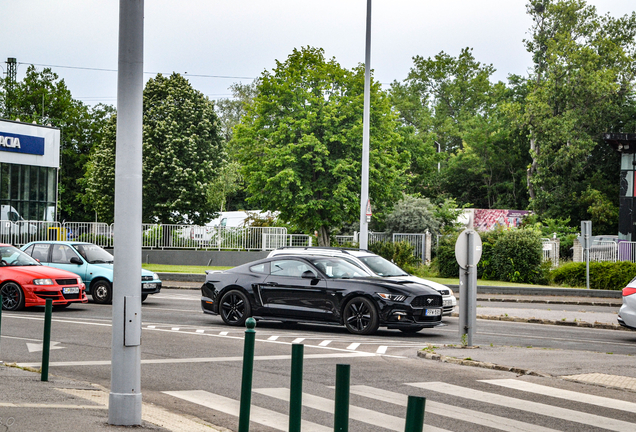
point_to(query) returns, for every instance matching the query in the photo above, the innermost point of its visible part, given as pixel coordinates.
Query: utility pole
(125, 375)
(12, 73)
(364, 194)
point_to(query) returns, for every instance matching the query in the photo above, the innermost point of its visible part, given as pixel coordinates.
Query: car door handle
(270, 284)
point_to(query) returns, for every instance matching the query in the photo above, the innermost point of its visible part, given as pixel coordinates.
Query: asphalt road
(191, 364)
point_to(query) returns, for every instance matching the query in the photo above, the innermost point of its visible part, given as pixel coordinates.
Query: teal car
(92, 263)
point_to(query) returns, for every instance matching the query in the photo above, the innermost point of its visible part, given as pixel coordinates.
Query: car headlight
(42, 282)
(392, 297)
(79, 279)
(156, 276)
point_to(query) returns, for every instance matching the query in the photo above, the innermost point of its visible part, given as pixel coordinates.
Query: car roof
(318, 250)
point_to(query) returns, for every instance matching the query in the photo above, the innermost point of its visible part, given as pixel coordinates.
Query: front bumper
(395, 316)
(36, 295)
(153, 287)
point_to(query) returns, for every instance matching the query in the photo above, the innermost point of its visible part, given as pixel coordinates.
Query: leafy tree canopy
(301, 144)
(181, 150)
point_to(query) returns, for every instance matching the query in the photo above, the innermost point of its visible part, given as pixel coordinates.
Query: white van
(12, 222)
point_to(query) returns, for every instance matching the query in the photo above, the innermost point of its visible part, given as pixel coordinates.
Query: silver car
(377, 266)
(627, 313)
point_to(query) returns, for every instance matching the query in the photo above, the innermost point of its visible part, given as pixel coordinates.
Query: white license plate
(70, 290)
(433, 312)
(150, 285)
(448, 302)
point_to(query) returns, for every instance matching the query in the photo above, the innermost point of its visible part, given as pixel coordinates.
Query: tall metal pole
(364, 194)
(125, 392)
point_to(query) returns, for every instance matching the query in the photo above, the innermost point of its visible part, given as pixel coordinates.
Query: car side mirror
(308, 274)
(76, 260)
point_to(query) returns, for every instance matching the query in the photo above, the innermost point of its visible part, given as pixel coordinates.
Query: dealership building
(29, 164)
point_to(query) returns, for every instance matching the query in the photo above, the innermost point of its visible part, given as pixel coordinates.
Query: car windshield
(381, 266)
(337, 268)
(12, 256)
(93, 253)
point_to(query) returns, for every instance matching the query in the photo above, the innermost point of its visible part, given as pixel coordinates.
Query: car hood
(399, 285)
(39, 272)
(419, 280)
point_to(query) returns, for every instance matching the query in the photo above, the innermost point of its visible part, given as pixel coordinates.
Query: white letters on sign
(10, 142)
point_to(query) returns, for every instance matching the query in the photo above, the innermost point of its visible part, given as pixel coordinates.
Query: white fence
(155, 236)
(551, 251)
(607, 251)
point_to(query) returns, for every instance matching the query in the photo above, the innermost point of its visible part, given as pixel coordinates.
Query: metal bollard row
(414, 410)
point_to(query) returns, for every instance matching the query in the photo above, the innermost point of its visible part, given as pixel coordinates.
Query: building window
(30, 190)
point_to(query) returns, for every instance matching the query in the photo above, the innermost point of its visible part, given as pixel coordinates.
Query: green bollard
(341, 412)
(248, 368)
(46, 342)
(415, 414)
(296, 388)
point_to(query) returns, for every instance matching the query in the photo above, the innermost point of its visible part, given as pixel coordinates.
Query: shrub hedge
(401, 253)
(603, 275)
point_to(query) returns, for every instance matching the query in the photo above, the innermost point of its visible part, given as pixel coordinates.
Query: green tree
(43, 97)
(181, 150)
(582, 85)
(300, 144)
(413, 215)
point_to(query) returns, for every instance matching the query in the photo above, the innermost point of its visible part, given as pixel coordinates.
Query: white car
(376, 265)
(627, 312)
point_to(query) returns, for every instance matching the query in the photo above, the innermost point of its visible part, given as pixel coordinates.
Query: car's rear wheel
(361, 316)
(12, 296)
(234, 308)
(411, 330)
(102, 292)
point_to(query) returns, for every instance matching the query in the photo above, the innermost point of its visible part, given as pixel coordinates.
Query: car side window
(62, 254)
(40, 252)
(291, 268)
(259, 268)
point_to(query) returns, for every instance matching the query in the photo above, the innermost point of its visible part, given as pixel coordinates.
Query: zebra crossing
(452, 416)
(344, 343)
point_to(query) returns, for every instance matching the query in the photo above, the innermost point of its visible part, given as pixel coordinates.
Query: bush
(445, 260)
(517, 256)
(401, 253)
(603, 275)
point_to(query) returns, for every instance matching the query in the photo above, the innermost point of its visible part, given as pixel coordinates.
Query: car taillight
(628, 291)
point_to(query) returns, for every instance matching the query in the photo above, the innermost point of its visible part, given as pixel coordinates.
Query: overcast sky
(235, 40)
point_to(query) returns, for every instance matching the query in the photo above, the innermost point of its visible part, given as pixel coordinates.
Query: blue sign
(17, 143)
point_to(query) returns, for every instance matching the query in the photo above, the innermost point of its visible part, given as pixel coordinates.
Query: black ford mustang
(319, 289)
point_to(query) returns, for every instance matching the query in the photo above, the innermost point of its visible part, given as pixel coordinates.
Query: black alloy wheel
(12, 296)
(234, 308)
(361, 316)
(102, 292)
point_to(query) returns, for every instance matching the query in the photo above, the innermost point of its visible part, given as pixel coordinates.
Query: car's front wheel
(234, 308)
(361, 316)
(12, 296)
(102, 292)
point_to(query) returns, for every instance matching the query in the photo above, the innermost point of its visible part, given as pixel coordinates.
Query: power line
(149, 73)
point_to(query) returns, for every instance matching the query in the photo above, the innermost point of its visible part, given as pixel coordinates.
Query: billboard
(29, 144)
(487, 219)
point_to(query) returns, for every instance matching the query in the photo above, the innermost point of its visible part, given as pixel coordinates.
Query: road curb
(484, 365)
(548, 301)
(596, 324)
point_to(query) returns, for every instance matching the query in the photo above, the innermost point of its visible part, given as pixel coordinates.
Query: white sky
(241, 38)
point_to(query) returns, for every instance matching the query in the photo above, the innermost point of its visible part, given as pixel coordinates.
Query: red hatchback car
(24, 282)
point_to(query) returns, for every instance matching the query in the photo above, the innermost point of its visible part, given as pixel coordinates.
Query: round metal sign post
(468, 252)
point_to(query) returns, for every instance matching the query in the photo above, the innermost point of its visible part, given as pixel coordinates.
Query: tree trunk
(533, 168)
(323, 237)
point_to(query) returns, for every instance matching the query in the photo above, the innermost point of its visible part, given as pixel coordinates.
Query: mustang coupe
(24, 282)
(319, 289)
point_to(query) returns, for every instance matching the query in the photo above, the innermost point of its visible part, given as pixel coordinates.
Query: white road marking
(203, 359)
(200, 331)
(175, 329)
(35, 347)
(298, 340)
(356, 413)
(229, 406)
(528, 406)
(353, 346)
(223, 333)
(272, 338)
(151, 327)
(324, 343)
(564, 394)
(381, 349)
(455, 412)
